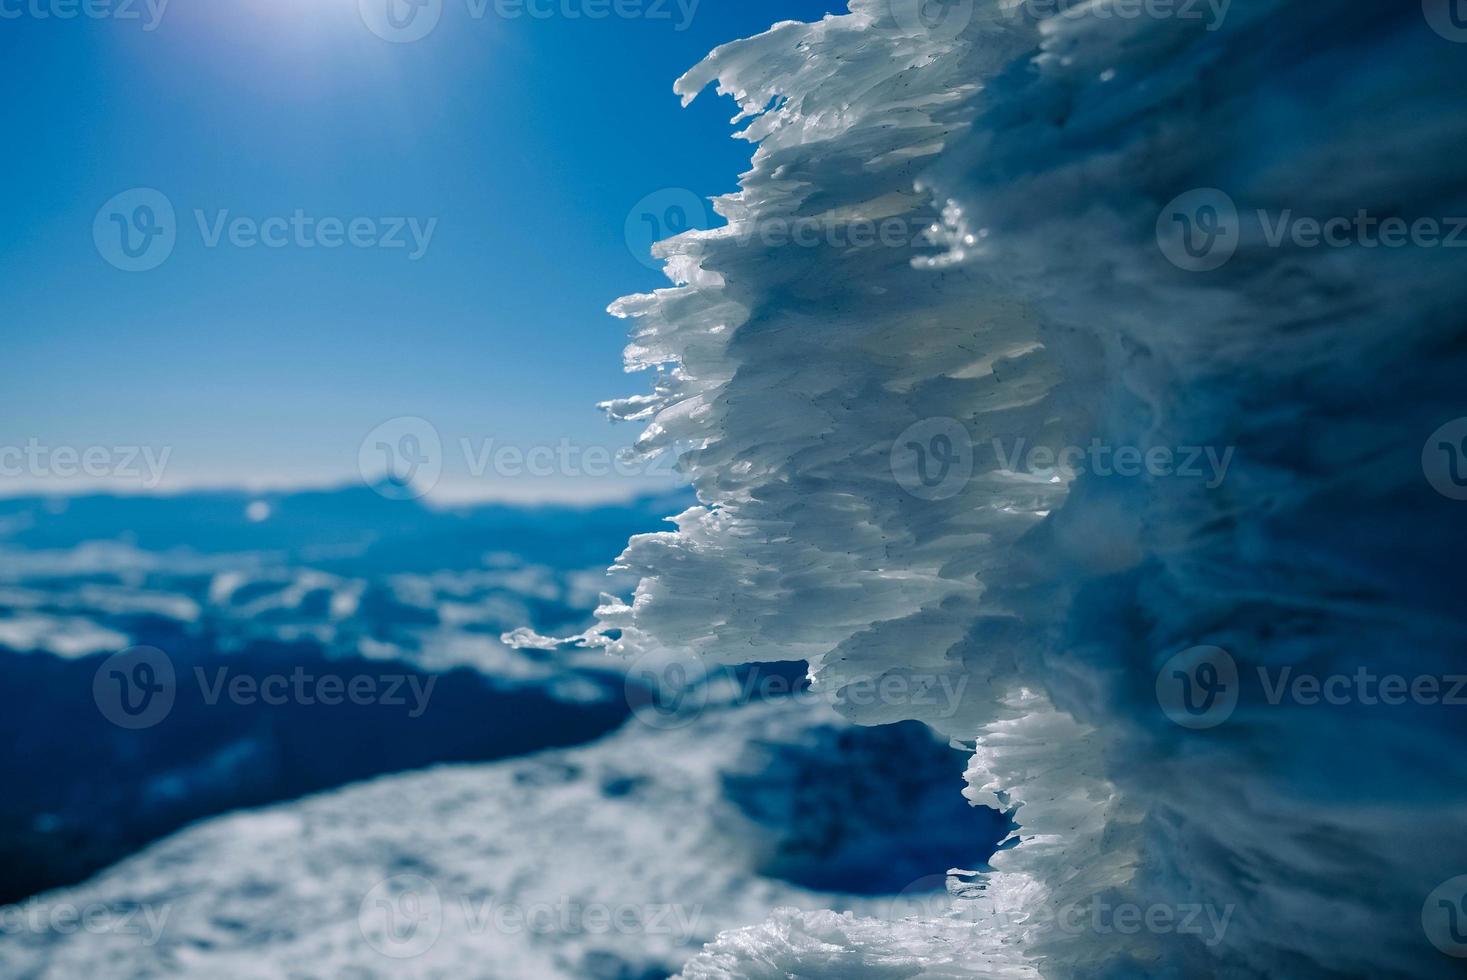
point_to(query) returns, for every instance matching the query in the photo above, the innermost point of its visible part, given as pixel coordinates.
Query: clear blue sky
(528, 139)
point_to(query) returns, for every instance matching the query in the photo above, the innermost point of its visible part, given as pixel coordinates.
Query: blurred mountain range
(307, 588)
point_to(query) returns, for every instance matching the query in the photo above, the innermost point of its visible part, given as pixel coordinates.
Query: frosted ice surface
(1042, 306)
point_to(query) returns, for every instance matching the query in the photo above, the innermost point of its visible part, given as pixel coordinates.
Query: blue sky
(526, 140)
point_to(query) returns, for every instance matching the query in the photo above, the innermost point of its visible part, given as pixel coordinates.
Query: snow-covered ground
(612, 861)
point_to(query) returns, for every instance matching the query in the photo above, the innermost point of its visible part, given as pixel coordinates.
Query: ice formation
(1054, 304)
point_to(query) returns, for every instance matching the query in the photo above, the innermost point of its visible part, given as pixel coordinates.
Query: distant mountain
(256, 589)
(353, 528)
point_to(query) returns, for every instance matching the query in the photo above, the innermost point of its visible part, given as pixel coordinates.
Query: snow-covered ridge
(1082, 171)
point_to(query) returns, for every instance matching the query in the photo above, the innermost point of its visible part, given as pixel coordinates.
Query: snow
(614, 860)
